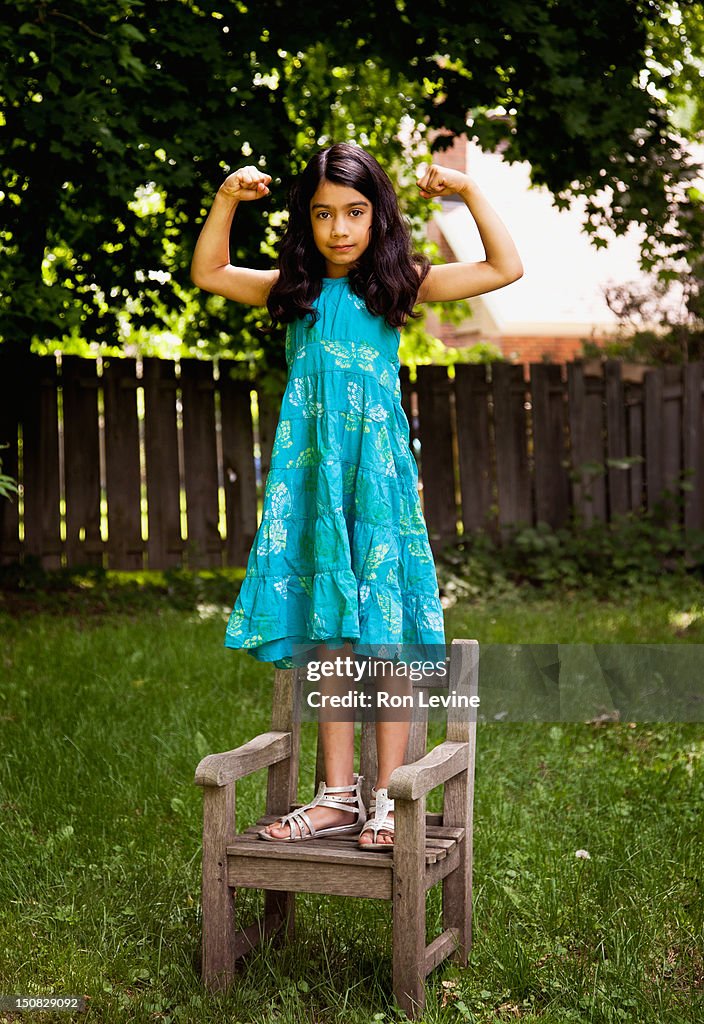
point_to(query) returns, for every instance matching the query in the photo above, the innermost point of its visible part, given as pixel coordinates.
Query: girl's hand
(246, 183)
(442, 181)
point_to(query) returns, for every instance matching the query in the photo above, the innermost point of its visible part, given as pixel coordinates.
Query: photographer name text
(383, 699)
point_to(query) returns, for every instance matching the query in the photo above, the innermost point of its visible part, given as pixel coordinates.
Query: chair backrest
(459, 685)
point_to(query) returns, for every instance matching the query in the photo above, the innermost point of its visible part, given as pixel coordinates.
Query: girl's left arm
(502, 265)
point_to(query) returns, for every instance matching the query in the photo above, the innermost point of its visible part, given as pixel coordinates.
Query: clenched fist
(438, 181)
(246, 183)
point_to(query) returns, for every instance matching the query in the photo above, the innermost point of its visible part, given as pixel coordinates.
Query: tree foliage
(121, 117)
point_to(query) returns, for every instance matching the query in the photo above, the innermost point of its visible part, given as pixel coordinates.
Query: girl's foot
(322, 817)
(378, 832)
(335, 809)
(383, 836)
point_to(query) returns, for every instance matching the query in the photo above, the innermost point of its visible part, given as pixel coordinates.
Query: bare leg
(392, 729)
(337, 739)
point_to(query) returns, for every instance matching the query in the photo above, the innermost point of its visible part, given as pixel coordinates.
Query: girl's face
(341, 219)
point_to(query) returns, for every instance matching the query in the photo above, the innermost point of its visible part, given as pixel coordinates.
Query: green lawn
(105, 717)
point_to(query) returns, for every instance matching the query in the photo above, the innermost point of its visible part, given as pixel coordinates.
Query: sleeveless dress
(342, 550)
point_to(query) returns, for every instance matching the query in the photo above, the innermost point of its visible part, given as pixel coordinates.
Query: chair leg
(218, 964)
(280, 906)
(457, 886)
(409, 906)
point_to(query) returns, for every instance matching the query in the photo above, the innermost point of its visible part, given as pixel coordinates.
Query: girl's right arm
(210, 267)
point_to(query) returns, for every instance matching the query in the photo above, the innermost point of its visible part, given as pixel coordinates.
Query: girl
(342, 552)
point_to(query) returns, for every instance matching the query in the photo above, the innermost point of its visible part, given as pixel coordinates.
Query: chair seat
(316, 864)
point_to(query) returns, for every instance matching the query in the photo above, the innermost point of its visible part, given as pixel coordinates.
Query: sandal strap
(379, 809)
(297, 818)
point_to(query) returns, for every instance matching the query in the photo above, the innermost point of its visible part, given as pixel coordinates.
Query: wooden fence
(154, 464)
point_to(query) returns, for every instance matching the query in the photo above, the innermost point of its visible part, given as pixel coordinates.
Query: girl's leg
(337, 741)
(392, 729)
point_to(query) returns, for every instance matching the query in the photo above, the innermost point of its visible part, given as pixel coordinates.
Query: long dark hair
(385, 276)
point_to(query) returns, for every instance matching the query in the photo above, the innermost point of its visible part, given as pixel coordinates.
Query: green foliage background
(120, 118)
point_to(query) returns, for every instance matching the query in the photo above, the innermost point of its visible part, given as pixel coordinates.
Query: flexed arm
(210, 267)
(502, 265)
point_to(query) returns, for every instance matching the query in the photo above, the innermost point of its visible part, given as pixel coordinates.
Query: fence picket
(165, 544)
(549, 449)
(79, 384)
(238, 464)
(511, 445)
(484, 460)
(125, 546)
(437, 472)
(477, 478)
(200, 462)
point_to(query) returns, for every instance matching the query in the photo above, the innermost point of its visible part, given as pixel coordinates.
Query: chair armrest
(411, 781)
(264, 750)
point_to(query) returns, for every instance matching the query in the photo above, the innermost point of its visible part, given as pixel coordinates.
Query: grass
(104, 718)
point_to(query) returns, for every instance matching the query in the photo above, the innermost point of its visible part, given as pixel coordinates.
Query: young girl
(342, 553)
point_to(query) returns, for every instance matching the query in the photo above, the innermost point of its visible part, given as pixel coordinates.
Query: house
(559, 302)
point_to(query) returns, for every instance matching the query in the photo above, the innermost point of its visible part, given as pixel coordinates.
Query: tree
(122, 117)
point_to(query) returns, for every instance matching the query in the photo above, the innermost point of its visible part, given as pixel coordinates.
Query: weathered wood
(367, 760)
(549, 448)
(440, 948)
(474, 448)
(125, 546)
(609, 415)
(693, 445)
(412, 781)
(41, 461)
(204, 545)
(340, 849)
(165, 544)
(435, 399)
(12, 377)
(286, 717)
(435, 873)
(587, 443)
(458, 798)
(464, 682)
(671, 440)
(511, 445)
(409, 905)
(576, 388)
(361, 880)
(264, 750)
(218, 962)
(636, 446)
(426, 850)
(79, 382)
(282, 785)
(418, 733)
(653, 385)
(239, 475)
(616, 446)
(247, 939)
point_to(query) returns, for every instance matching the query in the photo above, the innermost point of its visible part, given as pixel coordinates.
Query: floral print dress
(342, 550)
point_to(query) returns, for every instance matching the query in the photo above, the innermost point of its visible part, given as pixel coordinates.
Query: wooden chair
(428, 848)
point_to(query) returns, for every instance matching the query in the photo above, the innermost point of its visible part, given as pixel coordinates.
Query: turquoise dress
(342, 550)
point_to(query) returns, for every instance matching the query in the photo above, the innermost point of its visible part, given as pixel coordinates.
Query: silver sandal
(379, 809)
(298, 819)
